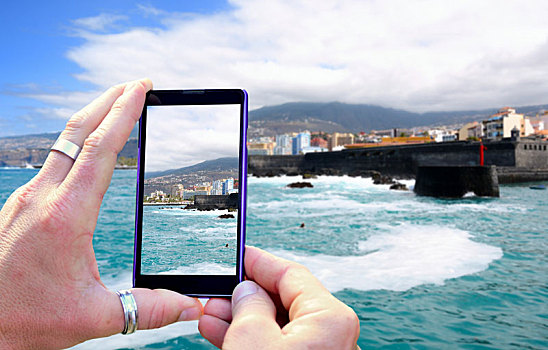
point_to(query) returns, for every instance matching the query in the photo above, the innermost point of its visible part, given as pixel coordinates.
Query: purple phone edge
(243, 197)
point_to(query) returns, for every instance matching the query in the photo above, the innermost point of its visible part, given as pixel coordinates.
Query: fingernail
(242, 290)
(147, 82)
(190, 314)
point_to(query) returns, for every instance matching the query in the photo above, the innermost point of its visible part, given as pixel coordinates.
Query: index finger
(90, 175)
(291, 281)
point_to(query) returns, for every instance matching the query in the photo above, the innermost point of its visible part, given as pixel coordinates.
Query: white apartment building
(500, 125)
(284, 144)
(440, 135)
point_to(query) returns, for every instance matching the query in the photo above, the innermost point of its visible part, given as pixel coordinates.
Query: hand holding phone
(191, 194)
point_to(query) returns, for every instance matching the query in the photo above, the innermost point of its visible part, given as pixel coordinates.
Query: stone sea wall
(456, 181)
(403, 161)
(215, 202)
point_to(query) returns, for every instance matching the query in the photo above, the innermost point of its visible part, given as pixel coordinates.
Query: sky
(181, 136)
(427, 55)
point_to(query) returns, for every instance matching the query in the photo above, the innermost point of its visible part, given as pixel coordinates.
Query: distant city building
(203, 190)
(188, 194)
(228, 185)
(340, 139)
(302, 140)
(262, 139)
(158, 195)
(318, 142)
(217, 187)
(440, 135)
(470, 130)
(179, 190)
(261, 148)
(449, 138)
(538, 125)
(283, 145)
(500, 125)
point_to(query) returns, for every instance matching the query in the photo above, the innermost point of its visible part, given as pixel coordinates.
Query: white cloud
(101, 22)
(149, 10)
(180, 136)
(62, 105)
(416, 55)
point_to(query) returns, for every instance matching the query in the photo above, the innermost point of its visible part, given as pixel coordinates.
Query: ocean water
(421, 273)
(188, 242)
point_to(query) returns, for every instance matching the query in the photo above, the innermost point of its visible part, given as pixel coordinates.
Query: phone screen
(190, 217)
(190, 205)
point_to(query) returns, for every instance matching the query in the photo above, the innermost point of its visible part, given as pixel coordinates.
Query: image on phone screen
(190, 192)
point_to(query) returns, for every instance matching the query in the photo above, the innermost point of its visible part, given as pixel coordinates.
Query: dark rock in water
(302, 225)
(300, 185)
(226, 245)
(309, 176)
(362, 173)
(226, 216)
(399, 187)
(379, 179)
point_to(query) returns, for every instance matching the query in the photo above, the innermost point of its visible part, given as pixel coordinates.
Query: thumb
(156, 308)
(160, 307)
(253, 318)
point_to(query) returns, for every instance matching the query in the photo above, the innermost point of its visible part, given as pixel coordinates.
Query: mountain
(210, 166)
(32, 141)
(342, 117)
(208, 171)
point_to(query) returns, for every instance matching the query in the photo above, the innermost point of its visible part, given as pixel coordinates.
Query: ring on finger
(130, 311)
(66, 147)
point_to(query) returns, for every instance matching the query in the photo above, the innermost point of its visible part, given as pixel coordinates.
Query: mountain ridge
(344, 117)
(219, 164)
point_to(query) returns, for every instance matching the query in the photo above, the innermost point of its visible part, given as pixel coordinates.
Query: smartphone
(191, 192)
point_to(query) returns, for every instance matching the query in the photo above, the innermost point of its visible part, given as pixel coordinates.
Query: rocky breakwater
(456, 181)
(380, 179)
(215, 202)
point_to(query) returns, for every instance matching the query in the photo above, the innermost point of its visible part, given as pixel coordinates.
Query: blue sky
(425, 55)
(36, 38)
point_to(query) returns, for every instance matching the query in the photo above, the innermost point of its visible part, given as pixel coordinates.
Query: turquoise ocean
(421, 273)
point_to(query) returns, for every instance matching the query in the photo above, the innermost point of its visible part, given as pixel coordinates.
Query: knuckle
(347, 318)
(76, 122)
(23, 196)
(141, 86)
(96, 143)
(296, 269)
(118, 88)
(117, 107)
(157, 314)
(94, 140)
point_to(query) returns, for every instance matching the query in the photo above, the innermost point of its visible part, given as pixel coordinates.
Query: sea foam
(404, 257)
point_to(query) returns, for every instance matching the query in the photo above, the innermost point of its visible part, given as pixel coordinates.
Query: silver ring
(66, 147)
(130, 311)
